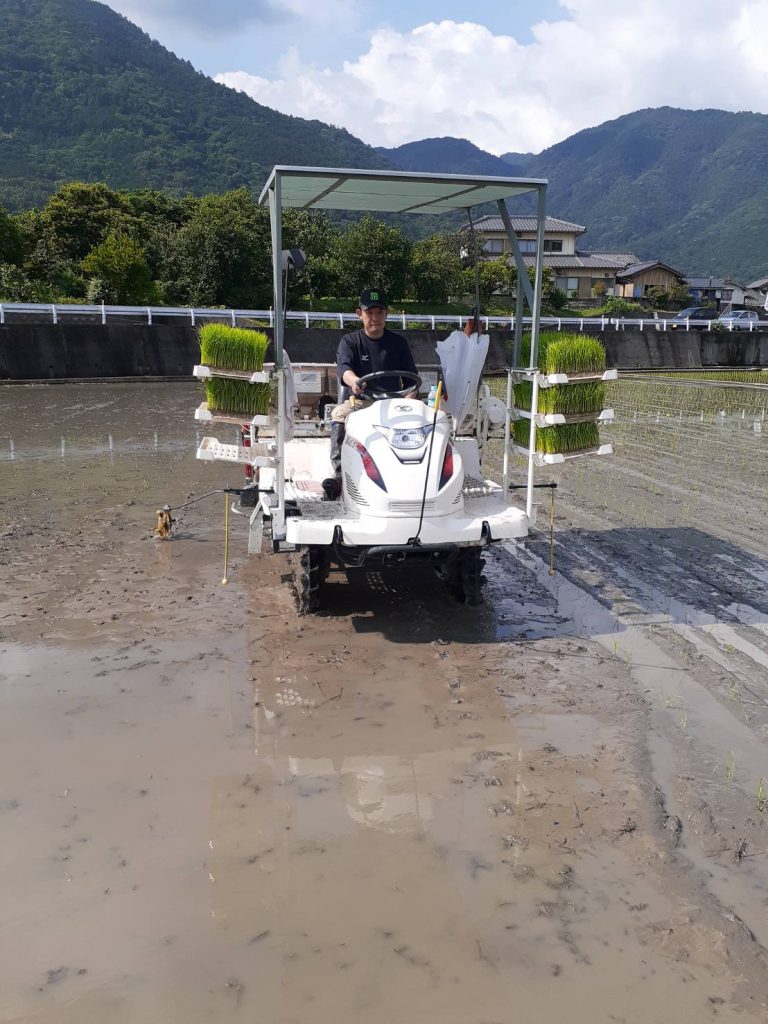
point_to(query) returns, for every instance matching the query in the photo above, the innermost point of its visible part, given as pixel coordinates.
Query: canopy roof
(324, 188)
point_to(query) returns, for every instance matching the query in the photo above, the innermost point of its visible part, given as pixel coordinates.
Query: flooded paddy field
(552, 807)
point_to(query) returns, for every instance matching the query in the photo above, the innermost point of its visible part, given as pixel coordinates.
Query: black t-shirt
(362, 355)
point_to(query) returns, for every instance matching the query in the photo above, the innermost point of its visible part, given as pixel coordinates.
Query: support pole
(507, 429)
(225, 579)
(514, 245)
(275, 217)
(535, 313)
(519, 311)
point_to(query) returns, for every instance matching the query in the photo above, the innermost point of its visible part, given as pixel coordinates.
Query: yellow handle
(438, 395)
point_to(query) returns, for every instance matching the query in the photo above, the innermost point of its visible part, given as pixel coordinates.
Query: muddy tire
(466, 579)
(309, 572)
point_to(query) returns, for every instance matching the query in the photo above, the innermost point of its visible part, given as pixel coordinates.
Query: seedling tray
(554, 419)
(206, 372)
(204, 415)
(213, 450)
(554, 458)
(548, 380)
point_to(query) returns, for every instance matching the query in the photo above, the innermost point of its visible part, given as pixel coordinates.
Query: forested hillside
(86, 95)
(689, 187)
(448, 155)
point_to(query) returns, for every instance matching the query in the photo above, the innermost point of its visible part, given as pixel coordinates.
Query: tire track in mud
(694, 729)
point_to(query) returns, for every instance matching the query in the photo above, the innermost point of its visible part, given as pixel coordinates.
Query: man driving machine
(372, 349)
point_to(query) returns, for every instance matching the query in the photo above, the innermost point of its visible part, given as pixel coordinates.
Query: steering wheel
(370, 378)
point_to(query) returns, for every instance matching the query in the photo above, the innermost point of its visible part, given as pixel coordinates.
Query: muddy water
(547, 808)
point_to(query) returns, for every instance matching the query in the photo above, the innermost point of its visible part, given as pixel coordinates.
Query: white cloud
(601, 60)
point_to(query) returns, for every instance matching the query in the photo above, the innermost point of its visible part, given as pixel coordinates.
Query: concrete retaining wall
(34, 351)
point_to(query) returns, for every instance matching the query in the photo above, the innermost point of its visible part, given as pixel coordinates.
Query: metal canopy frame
(326, 188)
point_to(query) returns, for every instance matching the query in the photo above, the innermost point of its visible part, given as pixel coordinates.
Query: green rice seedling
(565, 352)
(568, 437)
(232, 348)
(568, 399)
(757, 376)
(572, 353)
(235, 397)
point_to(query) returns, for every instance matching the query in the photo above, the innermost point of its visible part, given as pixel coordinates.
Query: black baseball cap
(373, 297)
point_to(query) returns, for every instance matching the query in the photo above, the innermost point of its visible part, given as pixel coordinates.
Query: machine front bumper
(316, 525)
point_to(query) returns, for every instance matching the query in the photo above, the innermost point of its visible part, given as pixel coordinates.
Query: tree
(79, 216)
(316, 236)
(222, 255)
(495, 276)
(370, 254)
(436, 268)
(11, 245)
(120, 264)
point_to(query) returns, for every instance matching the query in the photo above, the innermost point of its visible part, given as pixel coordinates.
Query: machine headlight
(407, 438)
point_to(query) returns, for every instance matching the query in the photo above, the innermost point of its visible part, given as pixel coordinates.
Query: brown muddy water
(550, 808)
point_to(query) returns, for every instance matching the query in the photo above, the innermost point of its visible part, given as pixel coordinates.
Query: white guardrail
(60, 311)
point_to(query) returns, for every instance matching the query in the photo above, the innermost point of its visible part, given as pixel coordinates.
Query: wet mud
(550, 807)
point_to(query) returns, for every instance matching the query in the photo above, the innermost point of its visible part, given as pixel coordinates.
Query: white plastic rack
(212, 450)
(549, 380)
(550, 419)
(204, 415)
(554, 458)
(554, 419)
(203, 372)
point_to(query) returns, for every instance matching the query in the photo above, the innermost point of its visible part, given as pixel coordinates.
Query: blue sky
(252, 35)
(515, 76)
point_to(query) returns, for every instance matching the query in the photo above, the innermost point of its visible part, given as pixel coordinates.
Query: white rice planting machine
(412, 486)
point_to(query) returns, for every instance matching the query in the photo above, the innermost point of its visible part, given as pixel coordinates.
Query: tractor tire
(466, 579)
(309, 572)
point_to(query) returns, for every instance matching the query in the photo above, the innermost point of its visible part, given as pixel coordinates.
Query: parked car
(708, 313)
(740, 320)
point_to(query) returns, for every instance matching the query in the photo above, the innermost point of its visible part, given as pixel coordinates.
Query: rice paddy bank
(47, 351)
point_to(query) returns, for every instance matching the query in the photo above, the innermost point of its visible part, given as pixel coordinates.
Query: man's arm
(410, 365)
(345, 362)
(351, 379)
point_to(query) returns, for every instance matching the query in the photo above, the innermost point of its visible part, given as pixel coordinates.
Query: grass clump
(232, 348)
(568, 437)
(234, 397)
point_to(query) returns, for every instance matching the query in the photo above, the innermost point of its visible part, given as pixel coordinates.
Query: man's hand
(353, 381)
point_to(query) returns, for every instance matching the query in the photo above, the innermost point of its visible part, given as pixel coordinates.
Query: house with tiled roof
(725, 292)
(641, 279)
(580, 273)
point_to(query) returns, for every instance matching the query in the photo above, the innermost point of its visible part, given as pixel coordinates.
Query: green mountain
(688, 187)
(85, 94)
(447, 155)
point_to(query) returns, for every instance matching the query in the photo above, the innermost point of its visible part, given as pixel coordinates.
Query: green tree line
(90, 243)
